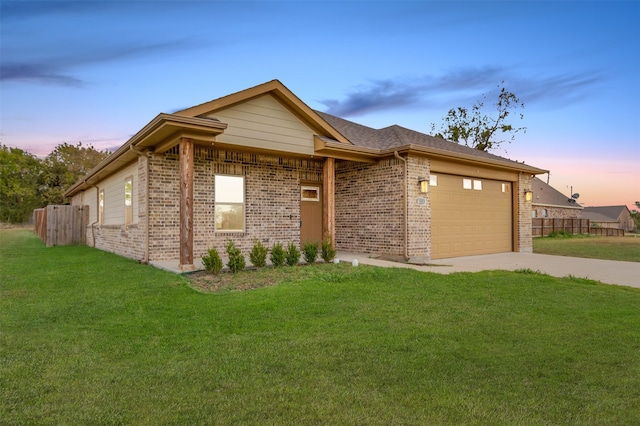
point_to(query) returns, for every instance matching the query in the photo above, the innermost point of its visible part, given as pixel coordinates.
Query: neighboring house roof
(335, 137)
(546, 195)
(598, 217)
(604, 213)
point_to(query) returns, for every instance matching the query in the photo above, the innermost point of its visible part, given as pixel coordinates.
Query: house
(618, 217)
(550, 203)
(261, 164)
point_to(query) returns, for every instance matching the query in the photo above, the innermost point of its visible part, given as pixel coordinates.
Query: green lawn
(610, 248)
(87, 337)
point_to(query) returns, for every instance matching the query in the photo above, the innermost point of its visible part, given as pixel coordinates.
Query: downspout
(406, 209)
(146, 237)
(93, 229)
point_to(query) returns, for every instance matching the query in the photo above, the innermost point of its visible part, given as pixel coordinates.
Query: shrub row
(258, 255)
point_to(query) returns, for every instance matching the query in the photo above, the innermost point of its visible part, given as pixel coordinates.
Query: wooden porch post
(186, 204)
(329, 196)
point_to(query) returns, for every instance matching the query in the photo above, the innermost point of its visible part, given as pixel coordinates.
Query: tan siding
(90, 198)
(266, 124)
(114, 195)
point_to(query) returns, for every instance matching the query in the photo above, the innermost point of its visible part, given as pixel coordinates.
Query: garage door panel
(467, 222)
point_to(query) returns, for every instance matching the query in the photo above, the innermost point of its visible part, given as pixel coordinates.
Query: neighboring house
(550, 203)
(610, 217)
(261, 165)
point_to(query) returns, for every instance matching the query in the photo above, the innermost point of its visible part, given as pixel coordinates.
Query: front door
(311, 214)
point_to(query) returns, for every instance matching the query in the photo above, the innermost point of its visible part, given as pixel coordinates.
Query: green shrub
(560, 234)
(277, 255)
(310, 252)
(328, 252)
(212, 261)
(236, 261)
(293, 254)
(258, 254)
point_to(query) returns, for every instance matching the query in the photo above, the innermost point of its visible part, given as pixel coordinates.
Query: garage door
(470, 216)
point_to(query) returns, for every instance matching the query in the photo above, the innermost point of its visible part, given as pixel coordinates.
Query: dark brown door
(311, 213)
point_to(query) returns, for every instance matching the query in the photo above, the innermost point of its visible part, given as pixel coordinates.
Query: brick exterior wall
(272, 203)
(525, 239)
(556, 212)
(369, 207)
(126, 241)
(419, 247)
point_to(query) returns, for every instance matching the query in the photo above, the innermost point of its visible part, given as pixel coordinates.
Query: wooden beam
(186, 204)
(329, 197)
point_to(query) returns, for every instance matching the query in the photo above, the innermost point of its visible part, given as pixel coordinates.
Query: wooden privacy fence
(541, 227)
(61, 225)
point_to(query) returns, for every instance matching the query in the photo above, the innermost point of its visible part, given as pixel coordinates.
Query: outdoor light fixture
(528, 195)
(424, 184)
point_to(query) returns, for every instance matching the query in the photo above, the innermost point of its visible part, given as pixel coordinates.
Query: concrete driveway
(605, 271)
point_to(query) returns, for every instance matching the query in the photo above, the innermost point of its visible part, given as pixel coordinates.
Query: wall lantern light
(528, 195)
(424, 184)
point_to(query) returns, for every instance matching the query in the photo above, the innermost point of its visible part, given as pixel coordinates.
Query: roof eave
(464, 158)
(159, 135)
(341, 151)
(557, 206)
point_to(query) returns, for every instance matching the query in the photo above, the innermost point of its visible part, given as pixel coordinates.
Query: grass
(87, 337)
(610, 248)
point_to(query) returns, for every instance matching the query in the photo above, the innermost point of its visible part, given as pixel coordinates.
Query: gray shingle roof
(548, 195)
(612, 213)
(397, 136)
(597, 216)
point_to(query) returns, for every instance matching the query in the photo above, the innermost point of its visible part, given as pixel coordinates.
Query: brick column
(186, 204)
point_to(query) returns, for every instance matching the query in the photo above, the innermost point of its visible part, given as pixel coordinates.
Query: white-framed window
(544, 212)
(506, 187)
(128, 200)
(472, 184)
(229, 203)
(433, 180)
(310, 193)
(533, 214)
(101, 207)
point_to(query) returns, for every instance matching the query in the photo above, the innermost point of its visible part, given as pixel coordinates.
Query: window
(433, 180)
(533, 213)
(101, 207)
(506, 187)
(229, 203)
(472, 184)
(544, 212)
(128, 200)
(310, 193)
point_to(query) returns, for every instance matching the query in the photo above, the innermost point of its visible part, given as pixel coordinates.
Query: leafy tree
(476, 129)
(64, 166)
(20, 179)
(635, 214)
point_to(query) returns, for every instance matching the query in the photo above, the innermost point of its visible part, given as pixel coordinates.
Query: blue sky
(98, 71)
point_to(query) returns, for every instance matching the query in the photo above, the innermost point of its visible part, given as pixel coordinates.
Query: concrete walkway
(605, 271)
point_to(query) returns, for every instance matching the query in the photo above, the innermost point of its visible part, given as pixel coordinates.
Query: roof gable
(544, 194)
(279, 92)
(613, 213)
(263, 123)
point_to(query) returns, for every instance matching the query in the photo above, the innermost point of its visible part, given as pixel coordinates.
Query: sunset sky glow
(98, 71)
